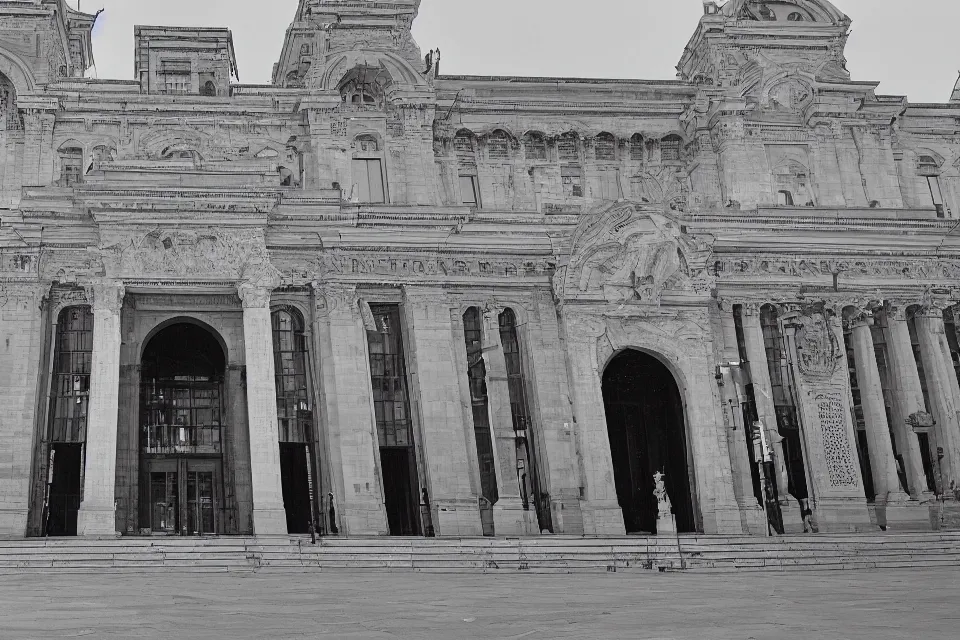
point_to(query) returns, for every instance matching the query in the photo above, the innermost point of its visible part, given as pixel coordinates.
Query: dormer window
(606, 147)
(796, 16)
(670, 148)
(535, 147)
(498, 146)
(567, 147)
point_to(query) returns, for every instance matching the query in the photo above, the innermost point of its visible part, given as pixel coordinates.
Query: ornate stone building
(383, 300)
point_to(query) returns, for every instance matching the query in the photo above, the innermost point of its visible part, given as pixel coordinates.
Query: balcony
(165, 439)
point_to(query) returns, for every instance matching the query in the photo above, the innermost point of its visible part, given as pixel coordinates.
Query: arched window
(479, 401)
(365, 87)
(568, 146)
(69, 409)
(527, 462)
(290, 357)
(535, 146)
(636, 147)
(606, 147)
(71, 166)
(784, 198)
(103, 153)
(208, 89)
(465, 147)
(670, 148)
(795, 16)
(9, 115)
(498, 146)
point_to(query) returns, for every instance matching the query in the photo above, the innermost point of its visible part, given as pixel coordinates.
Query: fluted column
(269, 517)
(763, 391)
(883, 464)
(907, 398)
(97, 514)
(943, 391)
(509, 516)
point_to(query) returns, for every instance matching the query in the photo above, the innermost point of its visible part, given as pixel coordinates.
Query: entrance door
(184, 497)
(295, 480)
(646, 428)
(63, 498)
(398, 490)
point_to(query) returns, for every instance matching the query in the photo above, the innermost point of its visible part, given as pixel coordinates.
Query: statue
(666, 522)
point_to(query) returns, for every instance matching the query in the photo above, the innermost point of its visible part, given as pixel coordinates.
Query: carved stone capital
(336, 297)
(856, 318)
(106, 296)
(253, 296)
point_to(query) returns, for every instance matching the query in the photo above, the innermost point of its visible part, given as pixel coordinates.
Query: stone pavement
(919, 605)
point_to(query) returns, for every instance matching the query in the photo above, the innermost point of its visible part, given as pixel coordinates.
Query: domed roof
(785, 11)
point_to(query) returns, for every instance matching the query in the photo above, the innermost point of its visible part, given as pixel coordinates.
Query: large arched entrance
(645, 423)
(181, 432)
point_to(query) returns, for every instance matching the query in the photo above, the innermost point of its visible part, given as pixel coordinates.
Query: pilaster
(435, 384)
(350, 426)
(98, 506)
(269, 517)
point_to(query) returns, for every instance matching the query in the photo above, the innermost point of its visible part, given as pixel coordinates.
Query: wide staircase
(557, 554)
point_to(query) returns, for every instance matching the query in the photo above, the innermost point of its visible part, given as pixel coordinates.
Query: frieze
(336, 263)
(806, 266)
(216, 253)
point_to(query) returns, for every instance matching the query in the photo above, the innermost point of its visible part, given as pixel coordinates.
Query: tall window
(388, 370)
(469, 190)
(290, 365)
(479, 401)
(463, 144)
(527, 467)
(787, 420)
(368, 171)
(572, 178)
(71, 375)
(929, 169)
(71, 166)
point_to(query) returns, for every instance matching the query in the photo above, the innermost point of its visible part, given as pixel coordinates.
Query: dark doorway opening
(63, 502)
(399, 489)
(295, 479)
(182, 433)
(647, 434)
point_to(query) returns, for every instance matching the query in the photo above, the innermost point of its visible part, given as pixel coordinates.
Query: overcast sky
(911, 52)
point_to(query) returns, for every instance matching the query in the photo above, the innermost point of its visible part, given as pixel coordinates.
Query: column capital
(334, 296)
(106, 296)
(253, 296)
(857, 318)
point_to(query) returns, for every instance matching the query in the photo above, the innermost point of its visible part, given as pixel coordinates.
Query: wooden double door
(184, 496)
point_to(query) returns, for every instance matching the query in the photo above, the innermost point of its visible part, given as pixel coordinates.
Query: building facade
(372, 299)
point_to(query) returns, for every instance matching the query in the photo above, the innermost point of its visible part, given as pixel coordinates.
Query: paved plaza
(828, 606)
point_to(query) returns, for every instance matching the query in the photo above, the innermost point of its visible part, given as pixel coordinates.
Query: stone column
(943, 391)
(97, 514)
(886, 482)
(269, 517)
(907, 398)
(349, 427)
(443, 430)
(509, 516)
(763, 392)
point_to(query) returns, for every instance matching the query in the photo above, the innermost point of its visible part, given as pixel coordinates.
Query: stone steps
(540, 554)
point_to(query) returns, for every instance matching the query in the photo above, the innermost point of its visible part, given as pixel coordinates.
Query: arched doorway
(645, 423)
(181, 432)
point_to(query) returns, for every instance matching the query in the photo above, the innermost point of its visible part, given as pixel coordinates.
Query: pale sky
(909, 51)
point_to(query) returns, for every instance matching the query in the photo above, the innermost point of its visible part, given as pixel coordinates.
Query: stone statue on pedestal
(666, 522)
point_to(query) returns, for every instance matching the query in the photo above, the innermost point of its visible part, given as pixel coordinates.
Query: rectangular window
(572, 178)
(71, 171)
(368, 180)
(470, 194)
(933, 182)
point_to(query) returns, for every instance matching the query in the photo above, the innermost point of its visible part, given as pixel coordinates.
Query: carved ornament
(818, 349)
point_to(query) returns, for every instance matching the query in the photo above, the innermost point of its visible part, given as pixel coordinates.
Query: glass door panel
(201, 503)
(164, 502)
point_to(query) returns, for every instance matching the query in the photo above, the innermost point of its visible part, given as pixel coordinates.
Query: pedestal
(511, 519)
(666, 525)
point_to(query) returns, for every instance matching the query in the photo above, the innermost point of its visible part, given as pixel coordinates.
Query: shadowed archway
(645, 424)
